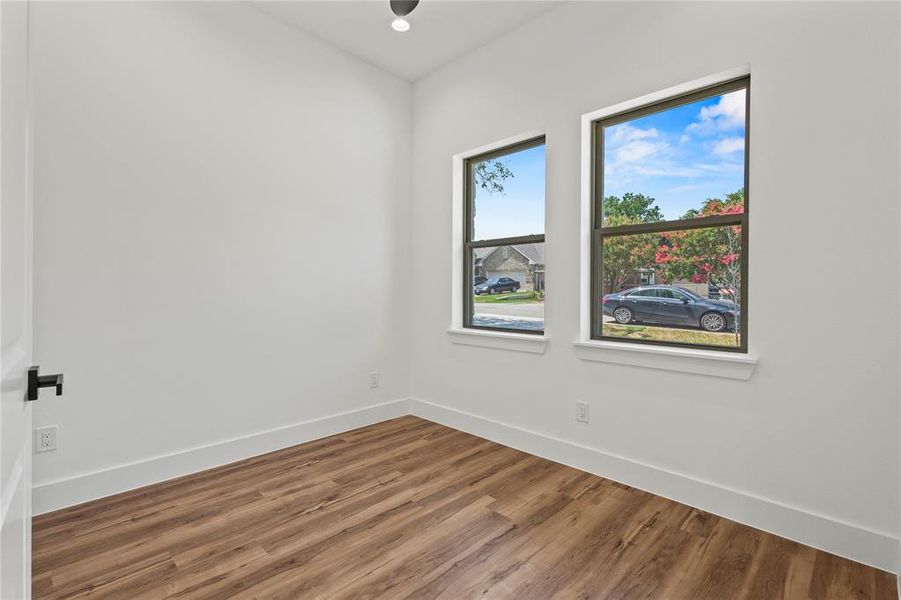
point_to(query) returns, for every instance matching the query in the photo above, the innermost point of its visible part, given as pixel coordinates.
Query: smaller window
(504, 239)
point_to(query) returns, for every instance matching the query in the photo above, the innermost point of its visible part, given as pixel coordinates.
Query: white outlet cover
(582, 412)
(374, 379)
(46, 439)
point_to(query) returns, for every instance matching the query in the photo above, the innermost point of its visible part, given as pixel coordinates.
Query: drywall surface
(221, 234)
(816, 427)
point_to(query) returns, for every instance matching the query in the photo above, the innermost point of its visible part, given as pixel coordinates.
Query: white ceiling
(441, 30)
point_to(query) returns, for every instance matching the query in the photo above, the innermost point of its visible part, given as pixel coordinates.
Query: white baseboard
(62, 493)
(878, 549)
(860, 544)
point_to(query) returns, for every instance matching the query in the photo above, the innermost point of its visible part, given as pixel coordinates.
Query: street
(529, 316)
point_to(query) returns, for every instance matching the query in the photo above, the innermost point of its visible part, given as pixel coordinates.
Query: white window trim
(669, 358)
(469, 336)
(501, 340)
(730, 365)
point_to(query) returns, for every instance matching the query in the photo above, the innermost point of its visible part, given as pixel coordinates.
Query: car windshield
(493, 280)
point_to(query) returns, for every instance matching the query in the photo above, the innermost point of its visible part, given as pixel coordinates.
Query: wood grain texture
(411, 509)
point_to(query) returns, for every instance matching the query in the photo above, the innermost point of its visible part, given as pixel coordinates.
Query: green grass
(666, 334)
(514, 298)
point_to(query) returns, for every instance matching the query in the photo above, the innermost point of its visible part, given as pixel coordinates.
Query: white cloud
(627, 145)
(727, 114)
(724, 166)
(638, 150)
(685, 188)
(728, 145)
(625, 133)
(669, 169)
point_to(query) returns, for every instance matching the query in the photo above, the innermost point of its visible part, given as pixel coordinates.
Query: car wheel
(492, 291)
(622, 315)
(713, 322)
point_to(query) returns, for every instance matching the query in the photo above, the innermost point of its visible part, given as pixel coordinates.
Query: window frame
(599, 232)
(469, 245)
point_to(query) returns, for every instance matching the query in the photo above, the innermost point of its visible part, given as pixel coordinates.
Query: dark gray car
(496, 285)
(670, 305)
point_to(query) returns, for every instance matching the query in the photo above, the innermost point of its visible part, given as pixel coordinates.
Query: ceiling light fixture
(401, 8)
(400, 24)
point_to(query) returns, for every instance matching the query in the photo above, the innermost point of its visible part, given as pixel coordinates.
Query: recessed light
(402, 8)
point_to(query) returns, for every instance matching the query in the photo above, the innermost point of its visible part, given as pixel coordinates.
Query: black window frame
(469, 245)
(599, 232)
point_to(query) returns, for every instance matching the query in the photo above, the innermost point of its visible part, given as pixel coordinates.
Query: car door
(672, 307)
(642, 303)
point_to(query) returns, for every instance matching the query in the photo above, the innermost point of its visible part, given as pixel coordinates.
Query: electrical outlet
(46, 438)
(374, 379)
(582, 412)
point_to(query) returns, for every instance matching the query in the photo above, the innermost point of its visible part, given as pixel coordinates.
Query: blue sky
(680, 156)
(519, 210)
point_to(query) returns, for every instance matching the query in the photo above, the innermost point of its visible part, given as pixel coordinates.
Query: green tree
(624, 255)
(638, 208)
(490, 175)
(707, 254)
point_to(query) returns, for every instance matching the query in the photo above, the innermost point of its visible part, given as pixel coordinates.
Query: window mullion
(678, 225)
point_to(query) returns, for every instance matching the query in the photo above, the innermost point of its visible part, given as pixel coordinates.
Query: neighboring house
(643, 277)
(524, 263)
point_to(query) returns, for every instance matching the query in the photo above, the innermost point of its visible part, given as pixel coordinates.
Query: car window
(651, 293)
(670, 294)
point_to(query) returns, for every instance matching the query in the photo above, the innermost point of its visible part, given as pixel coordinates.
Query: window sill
(683, 360)
(518, 342)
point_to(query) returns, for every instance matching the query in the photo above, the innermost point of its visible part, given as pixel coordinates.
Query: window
(504, 239)
(670, 221)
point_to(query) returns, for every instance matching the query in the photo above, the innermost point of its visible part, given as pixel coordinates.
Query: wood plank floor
(411, 509)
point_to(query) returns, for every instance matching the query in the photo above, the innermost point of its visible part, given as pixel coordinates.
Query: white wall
(224, 233)
(814, 433)
(221, 233)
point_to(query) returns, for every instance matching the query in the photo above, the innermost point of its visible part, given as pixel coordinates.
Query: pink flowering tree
(706, 255)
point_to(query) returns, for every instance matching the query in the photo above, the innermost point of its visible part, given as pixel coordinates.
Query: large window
(670, 221)
(504, 239)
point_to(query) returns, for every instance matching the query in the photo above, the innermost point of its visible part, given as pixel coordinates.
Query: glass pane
(508, 287)
(679, 163)
(509, 195)
(676, 286)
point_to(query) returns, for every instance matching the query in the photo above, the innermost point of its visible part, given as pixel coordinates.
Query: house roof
(534, 253)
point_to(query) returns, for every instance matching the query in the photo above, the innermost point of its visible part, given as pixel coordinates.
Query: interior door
(15, 303)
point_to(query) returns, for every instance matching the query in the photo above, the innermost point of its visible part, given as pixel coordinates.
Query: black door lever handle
(36, 382)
